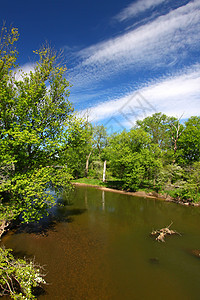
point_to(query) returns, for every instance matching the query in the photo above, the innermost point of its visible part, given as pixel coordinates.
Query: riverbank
(136, 194)
(143, 194)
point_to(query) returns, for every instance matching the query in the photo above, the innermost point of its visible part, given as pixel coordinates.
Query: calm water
(100, 248)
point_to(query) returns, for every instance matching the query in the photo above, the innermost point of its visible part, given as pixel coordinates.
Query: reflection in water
(100, 248)
(103, 200)
(86, 201)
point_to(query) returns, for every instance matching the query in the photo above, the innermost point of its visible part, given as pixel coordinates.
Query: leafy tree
(79, 134)
(8, 51)
(165, 132)
(99, 138)
(158, 126)
(170, 176)
(133, 158)
(189, 189)
(34, 114)
(189, 142)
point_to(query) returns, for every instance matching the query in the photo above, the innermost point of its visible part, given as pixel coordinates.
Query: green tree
(100, 138)
(189, 142)
(34, 114)
(158, 126)
(79, 136)
(99, 141)
(165, 132)
(133, 158)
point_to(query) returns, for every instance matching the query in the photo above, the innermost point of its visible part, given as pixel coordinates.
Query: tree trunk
(87, 164)
(104, 171)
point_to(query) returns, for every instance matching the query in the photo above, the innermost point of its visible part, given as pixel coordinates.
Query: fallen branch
(163, 232)
(3, 226)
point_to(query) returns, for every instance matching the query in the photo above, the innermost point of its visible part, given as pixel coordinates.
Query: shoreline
(150, 195)
(102, 188)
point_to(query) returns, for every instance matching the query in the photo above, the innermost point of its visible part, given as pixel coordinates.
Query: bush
(18, 277)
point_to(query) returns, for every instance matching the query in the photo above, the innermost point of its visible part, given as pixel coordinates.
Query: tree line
(159, 153)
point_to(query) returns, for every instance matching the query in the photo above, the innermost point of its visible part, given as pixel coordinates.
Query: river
(100, 247)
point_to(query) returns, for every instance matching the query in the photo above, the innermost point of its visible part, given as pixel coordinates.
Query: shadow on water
(59, 214)
(63, 212)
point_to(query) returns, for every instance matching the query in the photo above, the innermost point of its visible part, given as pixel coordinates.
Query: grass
(89, 181)
(114, 183)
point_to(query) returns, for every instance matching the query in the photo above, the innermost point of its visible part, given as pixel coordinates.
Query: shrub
(18, 277)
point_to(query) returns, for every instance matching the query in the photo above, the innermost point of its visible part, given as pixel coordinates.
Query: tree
(133, 158)
(189, 142)
(34, 114)
(97, 141)
(79, 134)
(165, 132)
(99, 138)
(176, 130)
(158, 126)
(8, 51)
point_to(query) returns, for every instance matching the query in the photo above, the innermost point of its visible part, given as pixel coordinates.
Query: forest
(45, 145)
(160, 153)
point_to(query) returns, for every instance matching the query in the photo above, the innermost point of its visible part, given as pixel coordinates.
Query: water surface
(100, 248)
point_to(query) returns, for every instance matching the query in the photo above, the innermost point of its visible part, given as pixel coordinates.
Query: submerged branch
(163, 232)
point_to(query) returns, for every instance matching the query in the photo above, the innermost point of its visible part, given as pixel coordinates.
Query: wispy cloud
(171, 96)
(159, 43)
(137, 7)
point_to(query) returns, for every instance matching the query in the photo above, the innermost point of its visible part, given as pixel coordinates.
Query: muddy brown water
(100, 248)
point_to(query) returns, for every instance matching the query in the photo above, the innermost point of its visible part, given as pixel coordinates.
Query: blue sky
(126, 59)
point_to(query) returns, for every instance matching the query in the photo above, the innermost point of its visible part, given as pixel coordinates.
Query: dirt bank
(152, 195)
(136, 194)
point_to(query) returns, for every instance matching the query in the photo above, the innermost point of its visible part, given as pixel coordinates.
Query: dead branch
(3, 226)
(163, 232)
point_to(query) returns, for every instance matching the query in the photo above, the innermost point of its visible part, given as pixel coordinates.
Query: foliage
(8, 51)
(99, 138)
(133, 157)
(171, 174)
(159, 127)
(157, 154)
(78, 135)
(189, 142)
(34, 114)
(18, 277)
(91, 181)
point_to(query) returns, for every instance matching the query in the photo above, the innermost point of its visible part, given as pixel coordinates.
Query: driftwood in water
(163, 232)
(195, 253)
(3, 226)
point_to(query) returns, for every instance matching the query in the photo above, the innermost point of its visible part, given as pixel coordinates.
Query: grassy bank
(114, 184)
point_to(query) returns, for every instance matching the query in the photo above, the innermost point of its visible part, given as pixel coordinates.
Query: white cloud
(137, 7)
(174, 96)
(159, 43)
(25, 69)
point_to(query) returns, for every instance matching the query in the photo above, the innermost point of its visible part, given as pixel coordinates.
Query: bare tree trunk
(104, 171)
(87, 164)
(176, 135)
